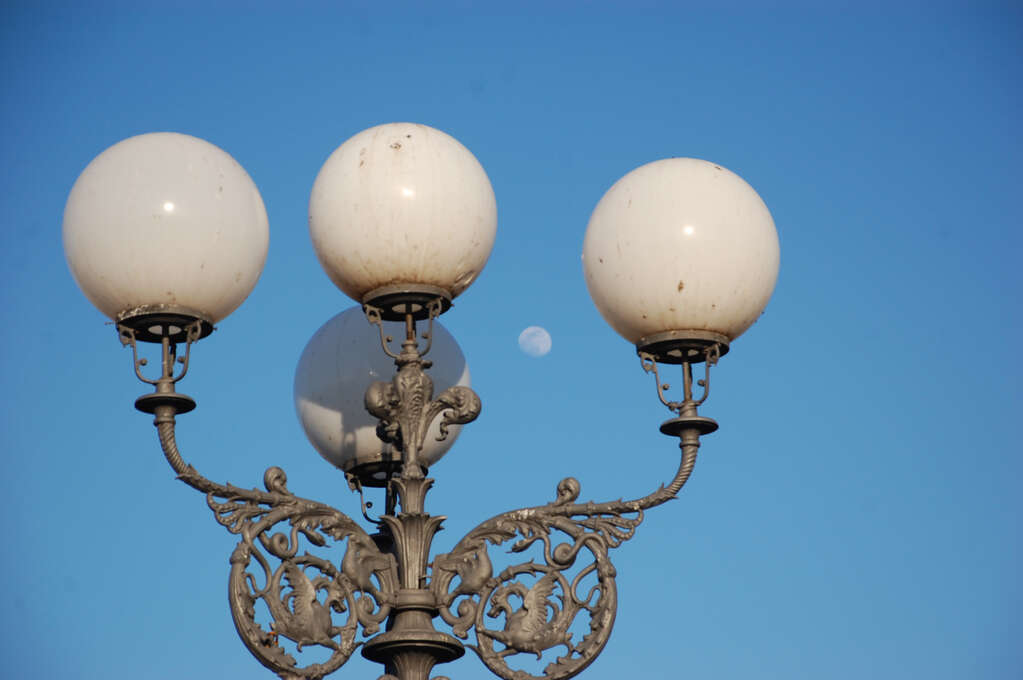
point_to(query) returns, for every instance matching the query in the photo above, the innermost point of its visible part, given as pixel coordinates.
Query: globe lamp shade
(402, 206)
(338, 364)
(165, 223)
(681, 248)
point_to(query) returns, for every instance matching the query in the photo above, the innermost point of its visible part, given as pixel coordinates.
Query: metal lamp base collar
(676, 426)
(678, 347)
(396, 301)
(152, 323)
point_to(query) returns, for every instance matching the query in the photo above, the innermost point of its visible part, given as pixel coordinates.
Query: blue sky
(857, 515)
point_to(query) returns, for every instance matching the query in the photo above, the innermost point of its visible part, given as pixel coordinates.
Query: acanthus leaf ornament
(405, 405)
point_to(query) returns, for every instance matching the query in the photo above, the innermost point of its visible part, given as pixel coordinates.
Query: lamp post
(166, 234)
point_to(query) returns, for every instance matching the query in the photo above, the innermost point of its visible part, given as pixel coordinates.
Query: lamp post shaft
(411, 646)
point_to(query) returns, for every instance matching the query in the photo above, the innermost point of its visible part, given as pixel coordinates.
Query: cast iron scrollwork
(304, 594)
(405, 408)
(405, 405)
(564, 570)
(540, 600)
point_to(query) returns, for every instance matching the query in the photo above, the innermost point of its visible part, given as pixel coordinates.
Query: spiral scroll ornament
(540, 598)
(310, 600)
(557, 602)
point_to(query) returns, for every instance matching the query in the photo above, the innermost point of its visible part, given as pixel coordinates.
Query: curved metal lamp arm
(303, 593)
(539, 598)
(540, 622)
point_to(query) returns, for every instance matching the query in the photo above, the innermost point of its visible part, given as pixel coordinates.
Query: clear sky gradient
(858, 515)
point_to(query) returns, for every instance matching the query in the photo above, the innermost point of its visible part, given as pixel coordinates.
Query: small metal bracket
(355, 484)
(410, 346)
(170, 332)
(709, 353)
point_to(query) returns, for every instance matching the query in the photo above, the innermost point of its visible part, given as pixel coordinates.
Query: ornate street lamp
(166, 234)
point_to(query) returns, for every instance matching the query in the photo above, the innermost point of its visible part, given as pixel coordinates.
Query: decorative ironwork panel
(540, 598)
(311, 601)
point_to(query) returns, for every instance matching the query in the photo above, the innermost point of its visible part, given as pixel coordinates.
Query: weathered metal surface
(304, 594)
(564, 572)
(575, 539)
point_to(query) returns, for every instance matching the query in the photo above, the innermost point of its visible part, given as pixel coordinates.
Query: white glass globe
(165, 220)
(402, 204)
(340, 361)
(680, 245)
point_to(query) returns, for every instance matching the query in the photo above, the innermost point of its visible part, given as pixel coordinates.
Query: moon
(535, 341)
